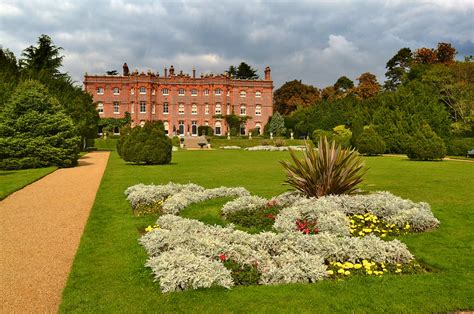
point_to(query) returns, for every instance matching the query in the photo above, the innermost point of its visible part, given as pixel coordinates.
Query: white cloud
(9, 10)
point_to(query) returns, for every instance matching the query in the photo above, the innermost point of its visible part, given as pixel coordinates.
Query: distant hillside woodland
(425, 89)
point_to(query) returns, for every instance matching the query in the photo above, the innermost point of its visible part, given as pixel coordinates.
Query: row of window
(181, 107)
(181, 92)
(194, 127)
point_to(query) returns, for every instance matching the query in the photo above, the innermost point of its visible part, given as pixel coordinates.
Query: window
(153, 92)
(206, 108)
(181, 127)
(167, 127)
(194, 92)
(181, 92)
(206, 92)
(165, 108)
(132, 91)
(228, 93)
(258, 110)
(116, 107)
(258, 94)
(206, 123)
(142, 90)
(194, 128)
(181, 109)
(194, 109)
(243, 94)
(165, 91)
(142, 107)
(243, 110)
(218, 108)
(153, 108)
(100, 90)
(242, 129)
(258, 126)
(116, 130)
(132, 109)
(217, 128)
(218, 92)
(116, 91)
(100, 108)
(228, 109)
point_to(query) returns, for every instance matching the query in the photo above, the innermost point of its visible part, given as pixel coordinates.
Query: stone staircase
(195, 142)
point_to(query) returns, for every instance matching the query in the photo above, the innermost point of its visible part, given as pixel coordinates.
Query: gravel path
(40, 229)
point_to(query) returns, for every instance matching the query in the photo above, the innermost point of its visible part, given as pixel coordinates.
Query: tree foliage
(343, 84)
(35, 131)
(243, 72)
(368, 86)
(397, 67)
(148, 144)
(277, 125)
(45, 57)
(370, 142)
(426, 145)
(293, 95)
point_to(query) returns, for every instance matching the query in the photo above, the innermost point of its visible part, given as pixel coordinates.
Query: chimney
(267, 74)
(166, 72)
(126, 71)
(194, 73)
(171, 70)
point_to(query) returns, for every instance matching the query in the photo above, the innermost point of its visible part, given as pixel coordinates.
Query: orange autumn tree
(368, 86)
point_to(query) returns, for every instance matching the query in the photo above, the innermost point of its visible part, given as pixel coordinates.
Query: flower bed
(317, 238)
(274, 148)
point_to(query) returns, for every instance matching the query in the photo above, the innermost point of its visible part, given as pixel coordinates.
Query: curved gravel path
(40, 229)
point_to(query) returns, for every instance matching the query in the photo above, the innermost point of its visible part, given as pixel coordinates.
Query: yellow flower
(148, 229)
(347, 273)
(357, 266)
(330, 272)
(398, 270)
(348, 265)
(361, 233)
(407, 226)
(338, 264)
(369, 272)
(383, 235)
(367, 230)
(341, 271)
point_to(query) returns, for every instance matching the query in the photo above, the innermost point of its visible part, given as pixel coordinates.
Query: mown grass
(108, 273)
(14, 180)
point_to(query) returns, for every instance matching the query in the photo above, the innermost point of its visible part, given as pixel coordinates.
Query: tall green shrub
(342, 135)
(370, 142)
(426, 145)
(148, 144)
(35, 131)
(277, 125)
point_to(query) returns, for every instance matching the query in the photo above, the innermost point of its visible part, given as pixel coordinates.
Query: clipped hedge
(426, 145)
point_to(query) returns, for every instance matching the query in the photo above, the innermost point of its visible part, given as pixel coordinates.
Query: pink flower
(222, 257)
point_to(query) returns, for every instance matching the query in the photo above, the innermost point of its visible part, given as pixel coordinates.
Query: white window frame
(116, 90)
(132, 91)
(100, 90)
(132, 107)
(166, 108)
(218, 125)
(218, 108)
(228, 93)
(243, 110)
(142, 90)
(194, 92)
(166, 126)
(181, 109)
(153, 92)
(217, 92)
(194, 109)
(165, 92)
(206, 108)
(153, 110)
(144, 106)
(258, 94)
(118, 107)
(100, 107)
(181, 92)
(243, 94)
(206, 92)
(258, 110)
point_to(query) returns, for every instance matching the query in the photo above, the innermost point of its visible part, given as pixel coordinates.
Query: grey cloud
(313, 41)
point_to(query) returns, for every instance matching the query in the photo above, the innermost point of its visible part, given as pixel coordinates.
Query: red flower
(271, 216)
(222, 257)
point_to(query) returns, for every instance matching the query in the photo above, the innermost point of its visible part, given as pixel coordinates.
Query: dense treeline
(424, 88)
(45, 118)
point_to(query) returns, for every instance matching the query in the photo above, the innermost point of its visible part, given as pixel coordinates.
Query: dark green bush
(35, 131)
(426, 145)
(148, 144)
(262, 218)
(205, 130)
(460, 146)
(370, 142)
(317, 134)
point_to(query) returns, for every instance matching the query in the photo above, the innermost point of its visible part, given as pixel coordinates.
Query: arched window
(258, 94)
(194, 128)
(243, 110)
(243, 93)
(258, 110)
(217, 128)
(100, 108)
(258, 126)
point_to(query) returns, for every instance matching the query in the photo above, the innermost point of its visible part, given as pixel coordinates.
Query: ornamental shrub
(342, 135)
(426, 145)
(205, 130)
(370, 142)
(35, 131)
(148, 144)
(460, 146)
(317, 134)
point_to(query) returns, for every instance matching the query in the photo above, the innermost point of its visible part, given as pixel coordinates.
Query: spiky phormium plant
(328, 170)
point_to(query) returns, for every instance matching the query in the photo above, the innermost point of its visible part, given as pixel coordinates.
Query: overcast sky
(315, 41)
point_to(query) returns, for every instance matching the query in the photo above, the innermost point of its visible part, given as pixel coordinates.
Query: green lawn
(108, 273)
(13, 180)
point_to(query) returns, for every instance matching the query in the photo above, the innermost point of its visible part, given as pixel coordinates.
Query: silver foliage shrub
(180, 269)
(248, 202)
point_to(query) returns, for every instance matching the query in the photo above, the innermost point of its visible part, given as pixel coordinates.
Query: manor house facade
(183, 102)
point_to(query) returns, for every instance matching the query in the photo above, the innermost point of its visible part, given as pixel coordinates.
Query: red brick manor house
(181, 101)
